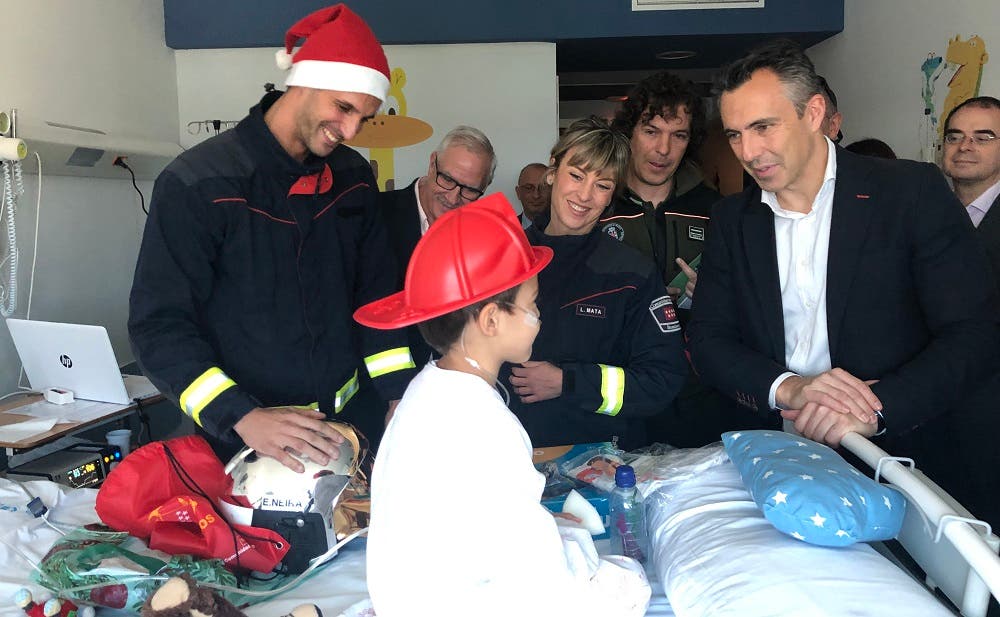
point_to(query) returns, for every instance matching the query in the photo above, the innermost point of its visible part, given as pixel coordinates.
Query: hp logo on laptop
(66, 361)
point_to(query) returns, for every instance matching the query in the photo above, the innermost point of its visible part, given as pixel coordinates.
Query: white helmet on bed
(298, 506)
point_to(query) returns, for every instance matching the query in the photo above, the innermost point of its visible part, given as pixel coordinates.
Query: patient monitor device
(78, 466)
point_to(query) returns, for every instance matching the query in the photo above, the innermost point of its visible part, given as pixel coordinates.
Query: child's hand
(536, 381)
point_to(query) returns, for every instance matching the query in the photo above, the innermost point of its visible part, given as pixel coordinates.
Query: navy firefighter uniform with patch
(250, 268)
(608, 323)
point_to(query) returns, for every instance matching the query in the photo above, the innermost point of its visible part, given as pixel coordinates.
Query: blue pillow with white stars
(809, 492)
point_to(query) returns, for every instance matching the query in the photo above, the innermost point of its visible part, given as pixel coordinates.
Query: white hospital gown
(456, 524)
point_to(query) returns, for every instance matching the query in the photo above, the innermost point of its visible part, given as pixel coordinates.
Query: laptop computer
(74, 357)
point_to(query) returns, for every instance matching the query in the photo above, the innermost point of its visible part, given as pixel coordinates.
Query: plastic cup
(122, 438)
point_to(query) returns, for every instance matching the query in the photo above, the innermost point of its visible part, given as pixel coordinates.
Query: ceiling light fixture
(676, 55)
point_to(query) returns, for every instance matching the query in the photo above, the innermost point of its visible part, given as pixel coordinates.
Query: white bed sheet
(715, 554)
(338, 588)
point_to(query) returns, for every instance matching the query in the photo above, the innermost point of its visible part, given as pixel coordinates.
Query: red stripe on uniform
(331, 204)
(240, 200)
(600, 293)
(273, 218)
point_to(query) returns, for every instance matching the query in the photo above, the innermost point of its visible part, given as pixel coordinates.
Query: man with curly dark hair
(664, 118)
(666, 199)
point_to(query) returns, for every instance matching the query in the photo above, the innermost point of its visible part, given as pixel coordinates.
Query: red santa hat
(340, 52)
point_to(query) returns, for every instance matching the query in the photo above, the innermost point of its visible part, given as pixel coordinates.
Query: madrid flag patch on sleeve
(664, 314)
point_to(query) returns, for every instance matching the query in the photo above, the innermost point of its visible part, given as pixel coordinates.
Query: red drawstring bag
(166, 492)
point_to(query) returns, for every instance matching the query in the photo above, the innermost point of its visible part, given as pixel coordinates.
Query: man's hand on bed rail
(835, 389)
(825, 425)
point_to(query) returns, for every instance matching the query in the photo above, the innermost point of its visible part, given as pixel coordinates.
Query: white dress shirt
(981, 205)
(803, 244)
(424, 223)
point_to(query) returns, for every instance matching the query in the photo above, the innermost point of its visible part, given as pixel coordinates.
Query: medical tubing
(9, 209)
(18, 178)
(22, 555)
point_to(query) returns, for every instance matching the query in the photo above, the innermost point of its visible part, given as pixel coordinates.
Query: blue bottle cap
(625, 476)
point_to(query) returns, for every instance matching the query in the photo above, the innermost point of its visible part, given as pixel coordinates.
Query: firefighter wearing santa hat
(260, 244)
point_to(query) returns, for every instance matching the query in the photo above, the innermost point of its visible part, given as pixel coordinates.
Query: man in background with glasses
(971, 158)
(458, 173)
(972, 161)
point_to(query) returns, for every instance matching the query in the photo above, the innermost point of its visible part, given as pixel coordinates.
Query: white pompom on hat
(340, 52)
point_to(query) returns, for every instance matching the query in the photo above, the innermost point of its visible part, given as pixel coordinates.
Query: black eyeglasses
(446, 182)
(955, 138)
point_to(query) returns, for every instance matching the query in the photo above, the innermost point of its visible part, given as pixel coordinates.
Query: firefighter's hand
(273, 431)
(692, 275)
(536, 381)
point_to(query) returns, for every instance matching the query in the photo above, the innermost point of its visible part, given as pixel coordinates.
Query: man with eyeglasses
(531, 192)
(458, 173)
(972, 161)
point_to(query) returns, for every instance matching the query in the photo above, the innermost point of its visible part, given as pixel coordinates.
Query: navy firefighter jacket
(250, 268)
(608, 323)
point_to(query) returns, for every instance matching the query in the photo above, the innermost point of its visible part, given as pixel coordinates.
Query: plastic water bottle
(628, 517)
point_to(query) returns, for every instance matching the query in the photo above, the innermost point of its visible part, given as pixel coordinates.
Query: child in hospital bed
(456, 523)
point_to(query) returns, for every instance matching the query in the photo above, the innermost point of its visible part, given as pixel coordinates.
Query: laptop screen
(70, 356)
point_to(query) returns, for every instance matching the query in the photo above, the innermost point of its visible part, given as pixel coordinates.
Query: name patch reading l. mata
(591, 310)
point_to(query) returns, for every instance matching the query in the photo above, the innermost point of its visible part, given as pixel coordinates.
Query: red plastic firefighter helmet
(468, 255)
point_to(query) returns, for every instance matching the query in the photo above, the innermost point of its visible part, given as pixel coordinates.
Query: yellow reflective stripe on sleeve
(612, 389)
(203, 391)
(345, 393)
(389, 361)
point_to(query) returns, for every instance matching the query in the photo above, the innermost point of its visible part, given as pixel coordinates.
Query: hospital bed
(720, 560)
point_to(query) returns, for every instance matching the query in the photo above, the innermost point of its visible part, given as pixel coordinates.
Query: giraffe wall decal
(391, 128)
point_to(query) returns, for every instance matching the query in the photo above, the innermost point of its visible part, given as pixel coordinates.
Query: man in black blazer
(972, 161)
(459, 171)
(847, 291)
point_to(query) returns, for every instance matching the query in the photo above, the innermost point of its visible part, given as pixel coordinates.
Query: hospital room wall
(874, 65)
(103, 66)
(507, 90)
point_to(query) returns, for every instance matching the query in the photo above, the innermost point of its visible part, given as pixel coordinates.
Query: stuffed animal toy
(182, 597)
(54, 607)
